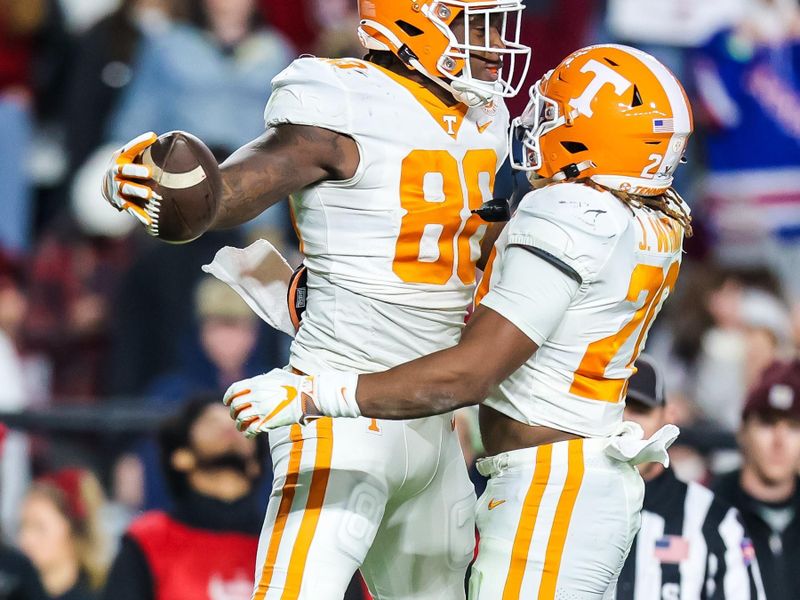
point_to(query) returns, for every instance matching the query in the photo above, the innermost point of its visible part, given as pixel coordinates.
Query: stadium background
(103, 331)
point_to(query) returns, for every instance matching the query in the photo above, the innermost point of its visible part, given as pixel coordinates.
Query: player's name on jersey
(659, 233)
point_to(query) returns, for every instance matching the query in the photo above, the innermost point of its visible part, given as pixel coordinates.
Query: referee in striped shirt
(691, 546)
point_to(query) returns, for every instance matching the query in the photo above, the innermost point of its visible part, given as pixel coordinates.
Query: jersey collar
(449, 118)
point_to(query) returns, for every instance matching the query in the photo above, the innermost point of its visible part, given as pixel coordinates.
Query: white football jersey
(626, 261)
(390, 252)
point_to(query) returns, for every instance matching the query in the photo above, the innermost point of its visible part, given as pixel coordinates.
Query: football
(187, 177)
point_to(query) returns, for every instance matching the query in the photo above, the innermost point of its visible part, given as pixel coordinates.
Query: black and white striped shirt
(691, 546)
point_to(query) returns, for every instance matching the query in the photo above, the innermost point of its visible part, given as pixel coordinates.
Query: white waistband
(627, 444)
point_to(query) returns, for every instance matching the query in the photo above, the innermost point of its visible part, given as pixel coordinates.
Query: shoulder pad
(572, 222)
(578, 207)
(312, 91)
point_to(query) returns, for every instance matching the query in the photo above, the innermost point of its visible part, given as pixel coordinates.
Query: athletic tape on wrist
(335, 394)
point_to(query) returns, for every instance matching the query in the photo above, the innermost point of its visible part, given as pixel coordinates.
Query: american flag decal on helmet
(663, 126)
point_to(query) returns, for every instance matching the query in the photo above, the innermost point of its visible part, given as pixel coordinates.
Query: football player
(385, 158)
(573, 286)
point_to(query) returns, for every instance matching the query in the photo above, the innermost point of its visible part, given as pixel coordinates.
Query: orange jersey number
(590, 380)
(437, 194)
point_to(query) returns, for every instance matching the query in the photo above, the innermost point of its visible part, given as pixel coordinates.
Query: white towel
(260, 275)
(627, 444)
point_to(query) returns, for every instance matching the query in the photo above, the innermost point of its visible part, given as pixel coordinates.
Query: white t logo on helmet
(602, 76)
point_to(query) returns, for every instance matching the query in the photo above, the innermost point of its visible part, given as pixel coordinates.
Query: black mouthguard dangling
(496, 210)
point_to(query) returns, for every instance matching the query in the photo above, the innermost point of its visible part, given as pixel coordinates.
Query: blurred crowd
(92, 311)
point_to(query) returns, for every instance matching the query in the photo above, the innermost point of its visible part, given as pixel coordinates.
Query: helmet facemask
(540, 116)
(427, 36)
(455, 63)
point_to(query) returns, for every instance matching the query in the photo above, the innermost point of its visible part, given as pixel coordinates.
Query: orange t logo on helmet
(602, 75)
(610, 113)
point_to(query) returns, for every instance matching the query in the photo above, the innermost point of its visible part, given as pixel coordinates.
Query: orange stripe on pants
(527, 521)
(558, 533)
(287, 497)
(316, 498)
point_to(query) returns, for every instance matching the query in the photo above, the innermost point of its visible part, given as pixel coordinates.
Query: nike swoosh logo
(495, 503)
(291, 394)
(482, 128)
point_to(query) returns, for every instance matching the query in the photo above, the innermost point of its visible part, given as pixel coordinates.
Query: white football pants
(389, 497)
(556, 523)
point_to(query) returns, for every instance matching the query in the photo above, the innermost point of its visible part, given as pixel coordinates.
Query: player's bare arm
(490, 349)
(282, 160)
(493, 232)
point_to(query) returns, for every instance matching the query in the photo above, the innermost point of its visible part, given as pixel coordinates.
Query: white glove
(122, 183)
(280, 398)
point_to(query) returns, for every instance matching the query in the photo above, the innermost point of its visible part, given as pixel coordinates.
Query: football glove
(123, 185)
(280, 398)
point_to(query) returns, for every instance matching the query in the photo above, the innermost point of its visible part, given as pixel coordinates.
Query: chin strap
(572, 171)
(468, 96)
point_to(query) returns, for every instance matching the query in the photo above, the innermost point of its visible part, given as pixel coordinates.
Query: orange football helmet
(611, 113)
(420, 33)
